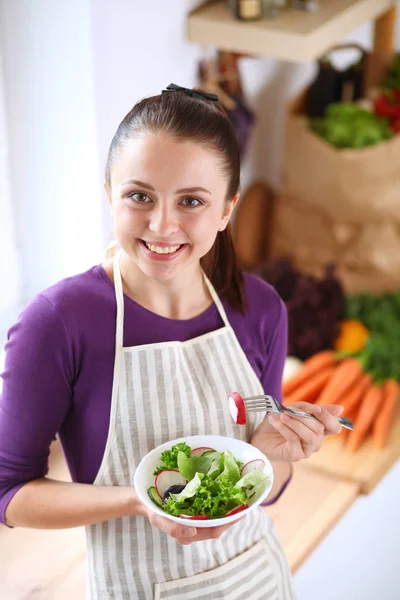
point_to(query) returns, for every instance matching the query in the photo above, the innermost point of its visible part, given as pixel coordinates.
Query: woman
(146, 348)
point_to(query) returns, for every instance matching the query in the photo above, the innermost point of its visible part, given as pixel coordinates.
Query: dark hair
(205, 121)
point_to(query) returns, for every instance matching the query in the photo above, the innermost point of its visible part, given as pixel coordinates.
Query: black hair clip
(172, 87)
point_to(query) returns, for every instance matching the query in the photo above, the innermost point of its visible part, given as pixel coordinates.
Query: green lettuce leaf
(251, 479)
(190, 489)
(190, 465)
(170, 457)
(214, 498)
(231, 469)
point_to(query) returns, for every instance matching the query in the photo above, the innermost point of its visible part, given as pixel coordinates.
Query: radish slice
(201, 450)
(237, 510)
(195, 517)
(236, 408)
(166, 478)
(251, 466)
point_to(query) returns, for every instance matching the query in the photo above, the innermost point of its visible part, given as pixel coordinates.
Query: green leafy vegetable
(189, 466)
(381, 316)
(214, 486)
(190, 489)
(170, 457)
(251, 479)
(350, 126)
(231, 470)
(214, 498)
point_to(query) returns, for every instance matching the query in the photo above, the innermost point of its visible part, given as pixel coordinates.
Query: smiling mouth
(162, 249)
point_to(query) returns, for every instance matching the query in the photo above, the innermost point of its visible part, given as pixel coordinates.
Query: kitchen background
(68, 73)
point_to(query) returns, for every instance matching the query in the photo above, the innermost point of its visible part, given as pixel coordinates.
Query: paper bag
(347, 185)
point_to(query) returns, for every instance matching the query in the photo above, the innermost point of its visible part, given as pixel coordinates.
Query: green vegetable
(251, 479)
(170, 457)
(381, 316)
(214, 486)
(350, 126)
(190, 489)
(392, 80)
(231, 470)
(213, 498)
(155, 496)
(189, 466)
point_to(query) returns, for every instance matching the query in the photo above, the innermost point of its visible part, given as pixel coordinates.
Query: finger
(310, 432)
(326, 414)
(334, 409)
(173, 529)
(315, 424)
(328, 417)
(207, 533)
(311, 409)
(294, 450)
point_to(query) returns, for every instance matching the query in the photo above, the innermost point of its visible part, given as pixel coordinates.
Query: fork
(270, 404)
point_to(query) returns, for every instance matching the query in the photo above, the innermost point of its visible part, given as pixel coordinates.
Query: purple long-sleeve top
(59, 368)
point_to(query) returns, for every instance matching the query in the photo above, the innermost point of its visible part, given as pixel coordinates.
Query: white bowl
(242, 451)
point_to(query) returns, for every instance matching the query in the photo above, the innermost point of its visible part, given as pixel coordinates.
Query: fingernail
(189, 532)
(317, 409)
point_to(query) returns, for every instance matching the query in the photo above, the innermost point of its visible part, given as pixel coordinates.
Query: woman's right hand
(186, 535)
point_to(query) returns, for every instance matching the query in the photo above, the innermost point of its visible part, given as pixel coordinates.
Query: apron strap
(217, 300)
(120, 300)
(119, 295)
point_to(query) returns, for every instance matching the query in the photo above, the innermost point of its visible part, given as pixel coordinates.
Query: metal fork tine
(255, 403)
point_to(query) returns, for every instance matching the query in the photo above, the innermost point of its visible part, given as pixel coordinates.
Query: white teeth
(163, 250)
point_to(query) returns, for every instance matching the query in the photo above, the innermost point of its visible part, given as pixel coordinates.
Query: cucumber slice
(155, 496)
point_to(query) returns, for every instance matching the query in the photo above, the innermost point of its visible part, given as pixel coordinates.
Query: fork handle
(346, 423)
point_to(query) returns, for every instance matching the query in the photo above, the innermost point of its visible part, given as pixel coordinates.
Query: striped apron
(161, 392)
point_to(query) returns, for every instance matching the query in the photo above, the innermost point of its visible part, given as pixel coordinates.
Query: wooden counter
(366, 467)
(309, 508)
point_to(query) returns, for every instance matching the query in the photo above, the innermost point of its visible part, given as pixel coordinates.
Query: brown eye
(191, 202)
(139, 197)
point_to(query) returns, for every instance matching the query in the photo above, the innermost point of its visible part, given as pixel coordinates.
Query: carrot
(310, 388)
(346, 373)
(311, 366)
(368, 411)
(355, 393)
(381, 425)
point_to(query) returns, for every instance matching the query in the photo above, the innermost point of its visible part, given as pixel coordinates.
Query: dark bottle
(247, 10)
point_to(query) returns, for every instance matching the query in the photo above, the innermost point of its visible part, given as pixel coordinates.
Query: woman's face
(168, 203)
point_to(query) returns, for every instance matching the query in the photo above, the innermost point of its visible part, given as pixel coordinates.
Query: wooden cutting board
(308, 509)
(366, 467)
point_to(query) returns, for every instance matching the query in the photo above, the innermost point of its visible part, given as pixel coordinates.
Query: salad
(202, 483)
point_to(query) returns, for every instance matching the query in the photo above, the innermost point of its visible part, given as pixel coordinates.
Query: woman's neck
(181, 298)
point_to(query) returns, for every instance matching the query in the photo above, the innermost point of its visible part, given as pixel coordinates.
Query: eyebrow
(147, 186)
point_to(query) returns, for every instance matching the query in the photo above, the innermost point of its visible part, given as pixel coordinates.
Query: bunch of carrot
(326, 378)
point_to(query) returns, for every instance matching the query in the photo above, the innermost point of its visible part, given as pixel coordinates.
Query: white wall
(47, 56)
(72, 71)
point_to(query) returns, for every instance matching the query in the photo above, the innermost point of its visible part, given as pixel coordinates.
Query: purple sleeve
(271, 376)
(35, 398)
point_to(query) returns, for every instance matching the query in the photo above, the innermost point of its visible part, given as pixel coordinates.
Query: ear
(228, 210)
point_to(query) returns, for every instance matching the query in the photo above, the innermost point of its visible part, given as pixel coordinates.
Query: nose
(163, 221)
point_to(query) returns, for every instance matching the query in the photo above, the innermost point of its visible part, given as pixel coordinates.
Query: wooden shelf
(308, 510)
(296, 36)
(366, 467)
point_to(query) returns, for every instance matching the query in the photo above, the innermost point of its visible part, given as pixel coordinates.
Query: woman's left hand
(290, 438)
